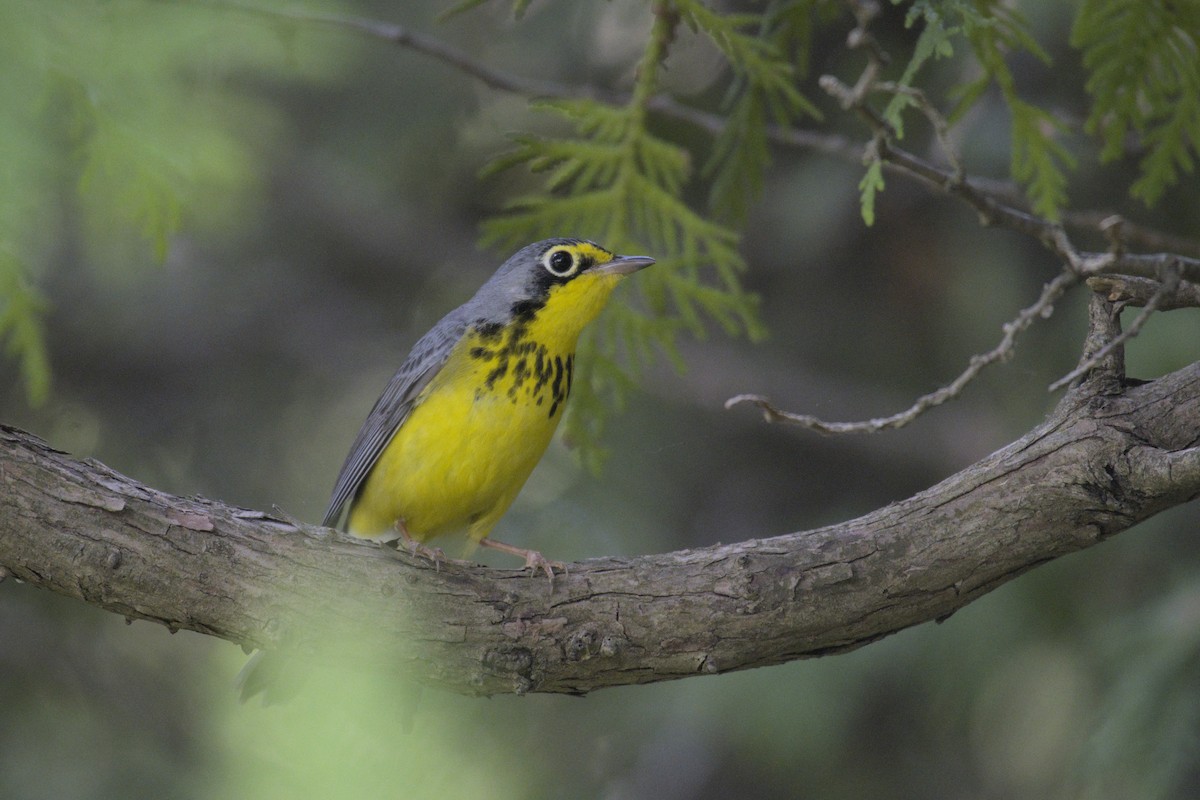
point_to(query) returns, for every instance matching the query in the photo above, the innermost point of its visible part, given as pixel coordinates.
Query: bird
(462, 423)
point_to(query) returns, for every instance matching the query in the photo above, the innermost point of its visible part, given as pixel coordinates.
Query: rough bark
(1104, 460)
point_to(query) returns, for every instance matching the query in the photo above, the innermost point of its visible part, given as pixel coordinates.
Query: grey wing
(428, 356)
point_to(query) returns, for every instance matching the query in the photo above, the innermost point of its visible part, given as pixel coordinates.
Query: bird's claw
(416, 548)
(535, 561)
(433, 554)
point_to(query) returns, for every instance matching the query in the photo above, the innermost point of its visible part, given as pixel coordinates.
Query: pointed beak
(623, 265)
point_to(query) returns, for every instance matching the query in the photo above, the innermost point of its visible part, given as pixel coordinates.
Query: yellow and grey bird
(468, 415)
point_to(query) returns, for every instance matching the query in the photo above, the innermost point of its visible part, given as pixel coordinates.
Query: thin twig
(1134, 234)
(830, 144)
(425, 44)
(993, 211)
(1002, 351)
(1051, 234)
(1077, 265)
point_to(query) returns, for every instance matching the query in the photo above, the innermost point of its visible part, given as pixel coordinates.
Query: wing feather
(401, 395)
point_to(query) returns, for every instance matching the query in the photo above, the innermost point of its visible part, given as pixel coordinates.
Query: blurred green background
(328, 206)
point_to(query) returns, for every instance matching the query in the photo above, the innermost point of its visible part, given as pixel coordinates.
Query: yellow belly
(460, 459)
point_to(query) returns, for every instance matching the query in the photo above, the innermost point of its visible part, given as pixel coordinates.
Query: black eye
(560, 263)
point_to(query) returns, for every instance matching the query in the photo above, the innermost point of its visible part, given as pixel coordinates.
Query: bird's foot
(534, 561)
(433, 554)
(416, 548)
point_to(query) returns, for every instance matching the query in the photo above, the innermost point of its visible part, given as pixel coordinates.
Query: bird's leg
(416, 548)
(534, 560)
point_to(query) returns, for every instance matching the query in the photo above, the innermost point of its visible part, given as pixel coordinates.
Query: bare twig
(1051, 234)
(830, 144)
(425, 44)
(991, 209)
(1003, 350)
(1134, 234)
(1113, 228)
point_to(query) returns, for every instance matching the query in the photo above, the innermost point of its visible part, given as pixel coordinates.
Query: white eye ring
(557, 265)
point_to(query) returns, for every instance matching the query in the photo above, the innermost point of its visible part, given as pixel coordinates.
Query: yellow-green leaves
(614, 180)
(1143, 63)
(993, 31)
(1143, 60)
(1039, 159)
(870, 185)
(21, 332)
(119, 120)
(764, 91)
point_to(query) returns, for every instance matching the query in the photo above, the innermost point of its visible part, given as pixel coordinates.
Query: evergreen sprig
(1144, 77)
(21, 333)
(111, 110)
(763, 91)
(992, 31)
(613, 180)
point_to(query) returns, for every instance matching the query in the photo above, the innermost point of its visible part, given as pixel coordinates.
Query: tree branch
(1097, 466)
(1139, 292)
(1166, 289)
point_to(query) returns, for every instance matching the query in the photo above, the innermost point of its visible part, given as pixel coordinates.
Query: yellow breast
(461, 457)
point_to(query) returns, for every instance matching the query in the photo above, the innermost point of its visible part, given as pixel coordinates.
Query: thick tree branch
(1097, 466)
